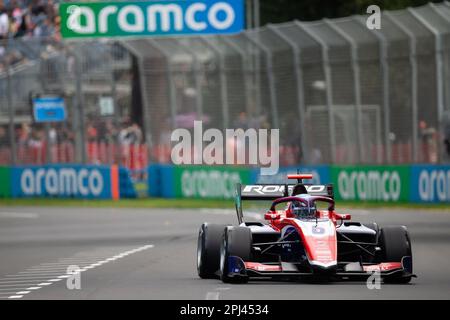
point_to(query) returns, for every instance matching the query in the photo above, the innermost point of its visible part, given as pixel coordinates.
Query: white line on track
(61, 267)
(27, 278)
(11, 283)
(23, 215)
(33, 274)
(213, 295)
(16, 283)
(53, 279)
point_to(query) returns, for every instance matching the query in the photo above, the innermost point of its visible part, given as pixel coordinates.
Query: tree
(276, 11)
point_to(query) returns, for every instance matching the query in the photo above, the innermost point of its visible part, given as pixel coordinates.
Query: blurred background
(339, 92)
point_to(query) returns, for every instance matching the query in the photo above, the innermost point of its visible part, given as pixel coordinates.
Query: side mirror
(339, 216)
(271, 215)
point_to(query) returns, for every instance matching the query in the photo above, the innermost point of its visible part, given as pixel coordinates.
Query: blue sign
(67, 181)
(49, 109)
(430, 183)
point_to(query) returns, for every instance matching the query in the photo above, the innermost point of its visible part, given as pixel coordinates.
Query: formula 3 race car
(301, 240)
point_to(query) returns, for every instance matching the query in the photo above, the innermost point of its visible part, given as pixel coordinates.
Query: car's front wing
(345, 271)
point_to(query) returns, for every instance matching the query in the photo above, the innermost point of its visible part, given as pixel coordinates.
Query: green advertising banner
(5, 182)
(371, 183)
(150, 18)
(208, 182)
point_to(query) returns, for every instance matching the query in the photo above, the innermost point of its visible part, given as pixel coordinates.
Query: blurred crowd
(107, 142)
(26, 19)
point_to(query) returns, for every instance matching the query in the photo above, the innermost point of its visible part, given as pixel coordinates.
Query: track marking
(13, 278)
(54, 278)
(10, 289)
(213, 295)
(23, 215)
(16, 283)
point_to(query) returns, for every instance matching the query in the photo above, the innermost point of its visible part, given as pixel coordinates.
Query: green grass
(192, 203)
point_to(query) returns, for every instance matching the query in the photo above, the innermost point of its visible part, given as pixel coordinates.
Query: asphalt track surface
(151, 254)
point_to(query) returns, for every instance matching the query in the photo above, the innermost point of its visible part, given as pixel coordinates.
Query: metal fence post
(245, 69)
(145, 102)
(356, 86)
(270, 78)
(413, 63)
(80, 135)
(170, 83)
(439, 72)
(11, 113)
(197, 78)
(385, 85)
(223, 81)
(329, 86)
(299, 79)
(249, 15)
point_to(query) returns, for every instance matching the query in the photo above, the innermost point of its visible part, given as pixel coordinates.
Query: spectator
(428, 141)
(135, 134)
(4, 146)
(4, 22)
(447, 140)
(242, 121)
(91, 133)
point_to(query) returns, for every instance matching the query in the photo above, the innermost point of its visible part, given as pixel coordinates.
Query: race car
(304, 237)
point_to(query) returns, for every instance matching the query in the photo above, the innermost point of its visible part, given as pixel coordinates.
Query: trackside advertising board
(208, 182)
(371, 183)
(216, 182)
(402, 183)
(5, 182)
(150, 18)
(430, 183)
(66, 181)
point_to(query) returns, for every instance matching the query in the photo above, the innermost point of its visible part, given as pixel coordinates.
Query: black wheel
(208, 249)
(237, 241)
(395, 244)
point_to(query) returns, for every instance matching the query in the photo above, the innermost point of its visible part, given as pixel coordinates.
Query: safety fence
(338, 92)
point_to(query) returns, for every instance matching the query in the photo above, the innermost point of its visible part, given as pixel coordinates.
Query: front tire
(237, 241)
(208, 249)
(395, 244)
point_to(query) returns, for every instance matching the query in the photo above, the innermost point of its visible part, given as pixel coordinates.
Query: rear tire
(237, 241)
(395, 244)
(208, 249)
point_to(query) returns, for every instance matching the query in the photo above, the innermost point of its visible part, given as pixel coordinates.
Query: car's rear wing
(275, 191)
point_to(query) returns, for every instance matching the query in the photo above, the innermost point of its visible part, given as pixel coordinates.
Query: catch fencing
(339, 92)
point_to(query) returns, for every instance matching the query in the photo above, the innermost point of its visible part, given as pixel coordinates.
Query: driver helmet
(302, 210)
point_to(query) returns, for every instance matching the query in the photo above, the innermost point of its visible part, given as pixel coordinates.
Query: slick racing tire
(237, 241)
(208, 249)
(395, 244)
